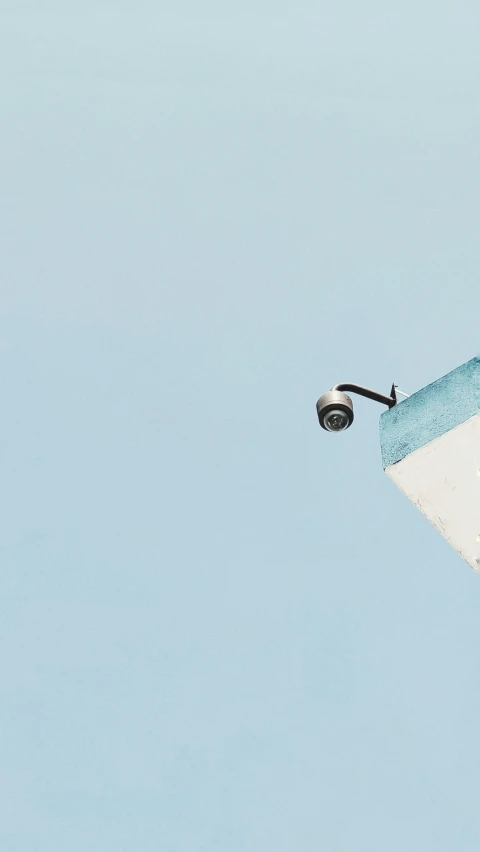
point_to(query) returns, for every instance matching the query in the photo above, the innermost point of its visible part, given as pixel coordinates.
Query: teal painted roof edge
(430, 412)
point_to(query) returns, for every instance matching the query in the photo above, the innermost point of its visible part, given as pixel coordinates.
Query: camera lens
(336, 420)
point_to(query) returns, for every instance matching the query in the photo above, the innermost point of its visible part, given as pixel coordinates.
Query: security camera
(335, 411)
(335, 408)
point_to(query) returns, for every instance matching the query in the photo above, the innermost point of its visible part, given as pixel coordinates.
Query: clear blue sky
(223, 630)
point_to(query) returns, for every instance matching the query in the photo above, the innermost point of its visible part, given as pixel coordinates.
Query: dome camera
(335, 408)
(335, 411)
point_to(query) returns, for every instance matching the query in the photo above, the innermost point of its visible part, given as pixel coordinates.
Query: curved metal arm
(390, 401)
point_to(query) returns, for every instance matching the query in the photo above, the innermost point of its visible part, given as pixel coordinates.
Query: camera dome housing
(335, 411)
